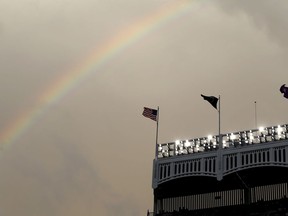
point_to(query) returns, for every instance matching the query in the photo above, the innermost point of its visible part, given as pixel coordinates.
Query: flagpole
(219, 131)
(255, 114)
(157, 128)
(219, 152)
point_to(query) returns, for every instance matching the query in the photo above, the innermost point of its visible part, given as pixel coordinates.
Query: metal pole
(219, 129)
(219, 117)
(255, 114)
(219, 152)
(157, 127)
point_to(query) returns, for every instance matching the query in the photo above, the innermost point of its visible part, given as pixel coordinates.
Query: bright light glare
(177, 142)
(232, 136)
(261, 129)
(187, 143)
(210, 137)
(279, 129)
(251, 136)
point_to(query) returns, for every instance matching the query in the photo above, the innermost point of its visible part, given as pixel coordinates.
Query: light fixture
(210, 137)
(279, 129)
(232, 136)
(187, 143)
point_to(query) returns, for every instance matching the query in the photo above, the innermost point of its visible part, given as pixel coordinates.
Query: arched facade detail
(221, 163)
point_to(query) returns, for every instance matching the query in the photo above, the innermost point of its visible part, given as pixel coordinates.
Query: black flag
(211, 99)
(284, 91)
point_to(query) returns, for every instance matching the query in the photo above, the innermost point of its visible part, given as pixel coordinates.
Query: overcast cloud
(91, 152)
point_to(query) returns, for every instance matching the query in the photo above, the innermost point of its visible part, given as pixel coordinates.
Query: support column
(172, 170)
(286, 154)
(219, 163)
(271, 154)
(247, 196)
(158, 205)
(155, 208)
(155, 174)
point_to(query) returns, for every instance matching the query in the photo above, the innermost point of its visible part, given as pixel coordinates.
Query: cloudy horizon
(74, 140)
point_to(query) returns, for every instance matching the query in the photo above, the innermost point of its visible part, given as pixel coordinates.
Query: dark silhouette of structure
(284, 91)
(248, 176)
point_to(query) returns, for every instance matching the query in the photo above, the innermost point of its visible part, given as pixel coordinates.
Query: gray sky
(91, 152)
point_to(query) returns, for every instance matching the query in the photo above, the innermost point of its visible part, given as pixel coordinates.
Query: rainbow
(72, 78)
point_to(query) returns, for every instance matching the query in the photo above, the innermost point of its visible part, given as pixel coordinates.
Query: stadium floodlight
(232, 136)
(244, 135)
(187, 143)
(210, 137)
(279, 129)
(193, 143)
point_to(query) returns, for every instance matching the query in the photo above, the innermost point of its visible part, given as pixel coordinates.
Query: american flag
(150, 113)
